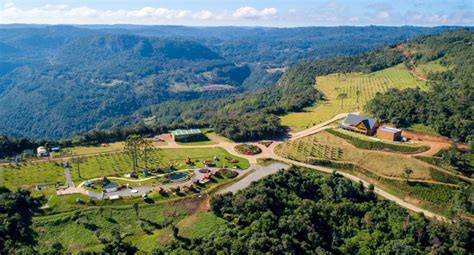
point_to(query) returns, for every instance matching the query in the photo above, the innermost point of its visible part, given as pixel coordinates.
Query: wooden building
(360, 124)
(388, 133)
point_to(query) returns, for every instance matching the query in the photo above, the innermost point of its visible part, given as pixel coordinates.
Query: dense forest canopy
(302, 212)
(58, 81)
(448, 105)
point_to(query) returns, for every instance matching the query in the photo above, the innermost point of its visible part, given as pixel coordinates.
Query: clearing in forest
(435, 192)
(349, 93)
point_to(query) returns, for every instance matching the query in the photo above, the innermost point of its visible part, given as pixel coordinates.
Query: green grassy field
(326, 146)
(199, 225)
(109, 147)
(423, 129)
(120, 163)
(430, 67)
(334, 84)
(82, 230)
(381, 168)
(27, 175)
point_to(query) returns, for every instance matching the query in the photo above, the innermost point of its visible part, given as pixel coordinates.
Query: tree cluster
(447, 105)
(301, 212)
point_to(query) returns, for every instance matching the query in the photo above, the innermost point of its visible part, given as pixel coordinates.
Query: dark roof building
(360, 124)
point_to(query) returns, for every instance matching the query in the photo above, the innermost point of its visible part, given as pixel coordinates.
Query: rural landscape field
(205, 127)
(349, 92)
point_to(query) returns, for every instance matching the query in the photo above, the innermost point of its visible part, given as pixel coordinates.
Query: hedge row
(376, 145)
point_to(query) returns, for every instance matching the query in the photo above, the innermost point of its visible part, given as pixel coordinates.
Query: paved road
(67, 174)
(259, 173)
(269, 153)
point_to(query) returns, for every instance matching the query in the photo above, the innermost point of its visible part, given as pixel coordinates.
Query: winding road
(268, 152)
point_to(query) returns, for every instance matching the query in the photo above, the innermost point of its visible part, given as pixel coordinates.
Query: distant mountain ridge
(58, 81)
(97, 77)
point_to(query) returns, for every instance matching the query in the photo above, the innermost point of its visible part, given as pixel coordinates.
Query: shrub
(376, 145)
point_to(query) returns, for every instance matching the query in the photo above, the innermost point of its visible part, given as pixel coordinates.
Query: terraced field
(358, 88)
(326, 146)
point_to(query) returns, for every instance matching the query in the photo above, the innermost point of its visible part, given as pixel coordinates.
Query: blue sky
(244, 13)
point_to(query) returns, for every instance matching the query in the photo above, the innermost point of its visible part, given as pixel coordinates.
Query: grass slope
(381, 168)
(334, 84)
(27, 175)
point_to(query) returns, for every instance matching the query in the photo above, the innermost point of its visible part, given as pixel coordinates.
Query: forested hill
(59, 81)
(98, 77)
(447, 105)
(269, 46)
(302, 212)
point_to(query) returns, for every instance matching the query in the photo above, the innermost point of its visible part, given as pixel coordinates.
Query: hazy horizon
(210, 13)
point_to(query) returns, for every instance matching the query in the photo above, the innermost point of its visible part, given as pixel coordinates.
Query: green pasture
(358, 88)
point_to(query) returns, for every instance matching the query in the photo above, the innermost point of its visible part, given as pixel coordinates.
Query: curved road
(269, 153)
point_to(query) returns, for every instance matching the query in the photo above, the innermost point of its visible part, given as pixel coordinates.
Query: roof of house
(390, 130)
(186, 132)
(354, 119)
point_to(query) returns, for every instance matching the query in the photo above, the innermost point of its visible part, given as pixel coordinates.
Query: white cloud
(147, 15)
(204, 14)
(249, 12)
(331, 13)
(382, 15)
(8, 5)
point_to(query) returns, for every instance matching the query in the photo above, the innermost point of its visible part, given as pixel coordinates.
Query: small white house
(42, 152)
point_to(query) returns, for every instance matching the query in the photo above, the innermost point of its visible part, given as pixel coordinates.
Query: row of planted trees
(135, 145)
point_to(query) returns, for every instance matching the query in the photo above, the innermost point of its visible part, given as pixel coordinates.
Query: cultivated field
(27, 175)
(120, 163)
(359, 89)
(429, 187)
(326, 146)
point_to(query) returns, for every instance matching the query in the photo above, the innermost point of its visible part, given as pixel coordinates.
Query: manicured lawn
(27, 175)
(334, 84)
(120, 163)
(117, 164)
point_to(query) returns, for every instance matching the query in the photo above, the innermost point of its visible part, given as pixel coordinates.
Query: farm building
(389, 133)
(55, 148)
(187, 135)
(42, 152)
(360, 124)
